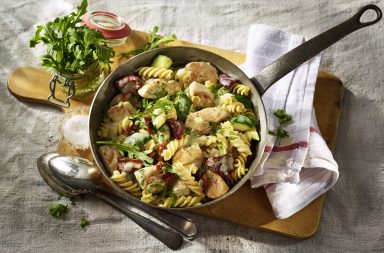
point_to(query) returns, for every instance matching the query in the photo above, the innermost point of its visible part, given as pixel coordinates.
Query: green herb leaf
(57, 210)
(84, 222)
(72, 48)
(282, 116)
(73, 201)
(153, 41)
(281, 133)
(132, 151)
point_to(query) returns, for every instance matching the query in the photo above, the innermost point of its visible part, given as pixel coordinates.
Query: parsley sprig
(283, 118)
(84, 222)
(72, 48)
(153, 41)
(57, 210)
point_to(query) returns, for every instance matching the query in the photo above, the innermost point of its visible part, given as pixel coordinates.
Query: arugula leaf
(162, 103)
(153, 41)
(128, 148)
(57, 210)
(70, 47)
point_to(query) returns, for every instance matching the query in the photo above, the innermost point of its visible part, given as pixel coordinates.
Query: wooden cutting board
(248, 207)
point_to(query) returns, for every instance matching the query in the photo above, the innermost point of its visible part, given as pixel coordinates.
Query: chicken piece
(202, 71)
(157, 88)
(201, 121)
(109, 155)
(216, 186)
(200, 95)
(118, 112)
(180, 188)
(192, 154)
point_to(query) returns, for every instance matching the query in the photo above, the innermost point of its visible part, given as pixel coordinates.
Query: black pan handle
(297, 56)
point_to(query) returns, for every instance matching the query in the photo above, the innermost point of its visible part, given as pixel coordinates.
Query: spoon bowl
(51, 179)
(71, 176)
(76, 172)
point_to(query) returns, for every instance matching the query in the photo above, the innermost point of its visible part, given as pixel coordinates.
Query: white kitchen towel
(296, 169)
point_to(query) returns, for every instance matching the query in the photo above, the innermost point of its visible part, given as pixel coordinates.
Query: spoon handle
(170, 238)
(187, 227)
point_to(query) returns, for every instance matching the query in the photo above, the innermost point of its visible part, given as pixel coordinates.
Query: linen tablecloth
(353, 213)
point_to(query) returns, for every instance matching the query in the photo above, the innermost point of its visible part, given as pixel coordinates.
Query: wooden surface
(248, 207)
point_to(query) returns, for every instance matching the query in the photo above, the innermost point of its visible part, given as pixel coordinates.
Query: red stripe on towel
(312, 130)
(300, 144)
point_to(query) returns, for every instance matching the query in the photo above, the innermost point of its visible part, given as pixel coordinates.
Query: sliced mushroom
(201, 121)
(202, 71)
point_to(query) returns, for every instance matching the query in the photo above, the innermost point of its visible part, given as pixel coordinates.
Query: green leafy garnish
(72, 48)
(282, 116)
(182, 104)
(57, 210)
(132, 151)
(84, 222)
(162, 103)
(246, 101)
(73, 201)
(137, 139)
(281, 133)
(153, 41)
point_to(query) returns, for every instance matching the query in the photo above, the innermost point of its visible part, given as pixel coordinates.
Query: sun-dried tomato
(148, 124)
(177, 128)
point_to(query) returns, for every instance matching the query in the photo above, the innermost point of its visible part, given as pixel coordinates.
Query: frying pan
(258, 84)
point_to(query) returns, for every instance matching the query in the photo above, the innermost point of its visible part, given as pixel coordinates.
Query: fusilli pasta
(127, 185)
(155, 72)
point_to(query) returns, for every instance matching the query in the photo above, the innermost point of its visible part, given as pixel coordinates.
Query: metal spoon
(80, 173)
(170, 238)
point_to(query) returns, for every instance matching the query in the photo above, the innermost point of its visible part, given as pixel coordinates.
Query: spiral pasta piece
(155, 72)
(183, 201)
(110, 129)
(235, 139)
(185, 175)
(120, 178)
(249, 112)
(240, 169)
(205, 140)
(235, 107)
(148, 197)
(173, 146)
(241, 89)
(222, 144)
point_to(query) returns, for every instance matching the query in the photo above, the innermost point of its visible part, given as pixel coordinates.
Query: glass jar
(76, 86)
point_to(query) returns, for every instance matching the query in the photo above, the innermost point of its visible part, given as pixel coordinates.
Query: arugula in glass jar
(72, 48)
